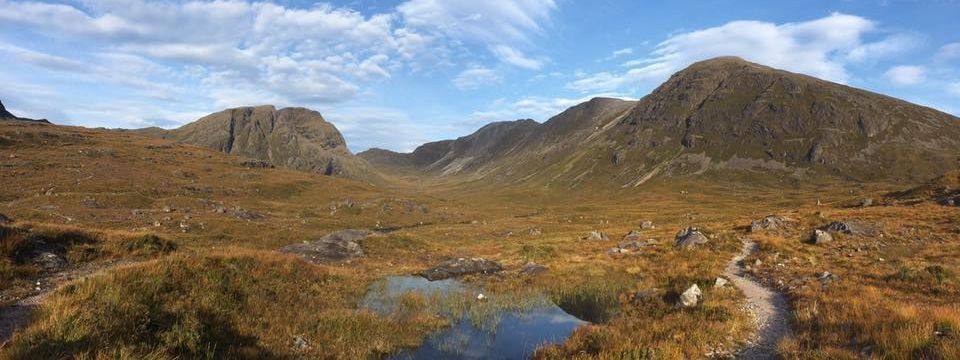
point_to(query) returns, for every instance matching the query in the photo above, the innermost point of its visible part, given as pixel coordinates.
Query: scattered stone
(820, 237)
(690, 237)
(300, 344)
(720, 282)
(647, 225)
(532, 269)
(461, 266)
(633, 235)
(167, 209)
(184, 227)
(636, 245)
(50, 261)
(157, 224)
(137, 212)
(768, 223)
(256, 164)
(866, 202)
(536, 232)
(244, 214)
(597, 236)
(336, 246)
(481, 297)
(853, 227)
(691, 297)
(826, 277)
(90, 203)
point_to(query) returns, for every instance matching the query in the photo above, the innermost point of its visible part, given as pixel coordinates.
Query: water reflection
(493, 329)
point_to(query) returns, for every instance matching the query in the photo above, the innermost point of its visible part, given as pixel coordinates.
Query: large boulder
(853, 227)
(820, 237)
(597, 236)
(690, 237)
(691, 297)
(768, 223)
(337, 246)
(633, 235)
(461, 266)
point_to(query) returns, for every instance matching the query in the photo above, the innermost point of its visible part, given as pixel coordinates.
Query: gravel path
(18, 315)
(769, 308)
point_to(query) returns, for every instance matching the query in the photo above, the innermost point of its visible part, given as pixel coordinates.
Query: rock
(90, 203)
(597, 236)
(853, 227)
(691, 297)
(633, 235)
(184, 227)
(461, 266)
(690, 237)
(336, 246)
(636, 245)
(646, 225)
(50, 261)
(5, 220)
(616, 250)
(826, 277)
(481, 297)
(820, 237)
(167, 209)
(256, 164)
(244, 214)
(535, 232)
(532, 269)
(300, 344)
(768, 223)
(866, 202)
(720, 282)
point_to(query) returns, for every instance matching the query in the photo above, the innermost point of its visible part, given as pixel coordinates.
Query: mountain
(723, 117)
(295, 138)
(6, 116)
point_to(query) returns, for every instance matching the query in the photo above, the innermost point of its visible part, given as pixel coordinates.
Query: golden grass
(224, 293)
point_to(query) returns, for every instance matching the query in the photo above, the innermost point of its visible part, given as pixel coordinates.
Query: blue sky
(395, 74)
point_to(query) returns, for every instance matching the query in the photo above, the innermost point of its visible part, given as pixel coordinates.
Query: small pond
(491, 329)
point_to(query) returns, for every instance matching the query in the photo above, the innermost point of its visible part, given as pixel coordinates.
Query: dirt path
(17, 316)
(769, 308)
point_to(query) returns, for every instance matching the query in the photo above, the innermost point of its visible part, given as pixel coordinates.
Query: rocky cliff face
(4, 114)
(722, 117)
(295, 138)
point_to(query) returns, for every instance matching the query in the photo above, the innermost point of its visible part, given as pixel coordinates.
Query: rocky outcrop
(338, 246)
(689, 238)
(461, 266)
(767, 223)
(295, 138)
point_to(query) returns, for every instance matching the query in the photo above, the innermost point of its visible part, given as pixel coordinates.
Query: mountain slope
(295, 138)
(726, 118)
(7, 116)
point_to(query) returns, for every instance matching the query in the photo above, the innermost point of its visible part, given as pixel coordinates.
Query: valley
(226, 238)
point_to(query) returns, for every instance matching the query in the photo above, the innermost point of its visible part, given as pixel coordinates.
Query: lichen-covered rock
(853, 227)
(597, 236)
(337, 246)
(820, 237)
(768, 223)
(691, 297)
(690, 237)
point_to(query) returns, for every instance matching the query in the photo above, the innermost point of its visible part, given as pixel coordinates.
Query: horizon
(399, 74)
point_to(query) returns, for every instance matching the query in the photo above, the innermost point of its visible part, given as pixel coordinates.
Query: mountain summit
(718, 117)
(296, 138)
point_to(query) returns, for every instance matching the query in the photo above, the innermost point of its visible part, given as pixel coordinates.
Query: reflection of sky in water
(513, 334)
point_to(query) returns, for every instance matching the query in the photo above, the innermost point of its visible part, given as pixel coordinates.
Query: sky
(396, 74)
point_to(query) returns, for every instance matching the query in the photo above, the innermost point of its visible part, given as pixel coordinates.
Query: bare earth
(16, 316)
(769, 308)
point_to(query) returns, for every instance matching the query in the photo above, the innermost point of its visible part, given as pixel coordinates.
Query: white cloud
(821, 48)
(515, 57)
(948, 52)
(618, 53)
(906, 74)
(476, 78)
(534, 107)
(954, 88)
(489, 21)
(892, 45)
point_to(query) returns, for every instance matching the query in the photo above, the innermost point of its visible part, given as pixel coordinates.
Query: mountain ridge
(718, 117)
